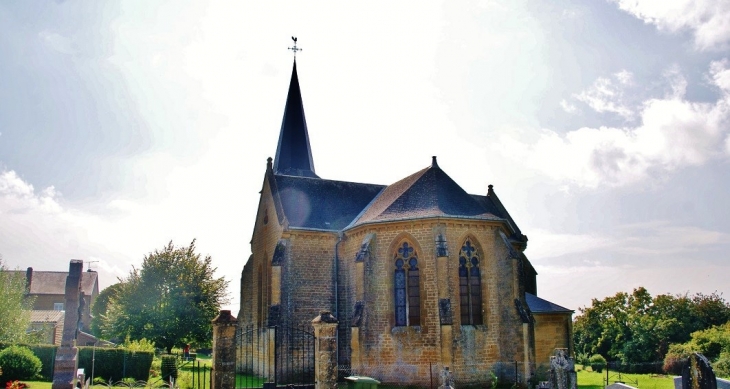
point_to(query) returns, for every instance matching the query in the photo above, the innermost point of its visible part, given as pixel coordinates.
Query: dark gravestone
(562, 370)
(64, 370)
(697, 373)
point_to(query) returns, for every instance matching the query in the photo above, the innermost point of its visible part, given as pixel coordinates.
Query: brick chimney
(28, 279)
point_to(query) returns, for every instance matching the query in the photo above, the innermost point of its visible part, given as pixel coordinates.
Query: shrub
(676, 357)
(115, 363)
(168, 366)
(582, 359)
(47, 355)
(19, 363)
(722, 365)
(597, 362)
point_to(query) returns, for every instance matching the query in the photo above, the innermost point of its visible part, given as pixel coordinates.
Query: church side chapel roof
(538, 305)
(313, 203)
(427, 193)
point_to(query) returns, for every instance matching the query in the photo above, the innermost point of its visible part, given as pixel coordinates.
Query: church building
(417, 273)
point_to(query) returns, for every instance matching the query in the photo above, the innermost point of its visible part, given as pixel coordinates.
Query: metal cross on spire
(294, 48)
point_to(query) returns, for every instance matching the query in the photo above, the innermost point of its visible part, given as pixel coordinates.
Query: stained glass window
(406, 282)
(470, 285)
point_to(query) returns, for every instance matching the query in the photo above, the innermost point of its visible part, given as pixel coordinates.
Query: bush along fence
(112, 364)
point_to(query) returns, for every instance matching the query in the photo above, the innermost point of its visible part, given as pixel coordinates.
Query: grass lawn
(39, 384)
(591, 380)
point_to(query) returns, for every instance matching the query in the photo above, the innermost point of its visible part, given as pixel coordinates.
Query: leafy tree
(635, 328)
(170, 300)
(713, 343)
(100, 307)
(14, 306)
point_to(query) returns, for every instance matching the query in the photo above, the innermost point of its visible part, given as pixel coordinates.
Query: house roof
(314, 203)
(54, 282)
(538, 305)
(293, 153)
(429, 192)
(46, 316)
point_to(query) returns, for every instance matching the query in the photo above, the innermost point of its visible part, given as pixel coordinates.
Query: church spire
(293, 153)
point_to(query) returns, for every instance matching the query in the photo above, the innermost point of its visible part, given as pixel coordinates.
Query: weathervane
(294, 48)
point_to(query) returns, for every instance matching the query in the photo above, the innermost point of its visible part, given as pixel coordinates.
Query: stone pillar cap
(225, 317)
(324, 317)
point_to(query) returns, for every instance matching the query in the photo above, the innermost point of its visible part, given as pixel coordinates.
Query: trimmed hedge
(45, 352)
(111, 363)
(116, 363)
(168, 367)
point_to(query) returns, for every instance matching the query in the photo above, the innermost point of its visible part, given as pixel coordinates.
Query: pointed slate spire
(293, 153)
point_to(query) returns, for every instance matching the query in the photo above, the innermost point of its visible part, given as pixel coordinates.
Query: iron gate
(275, 356)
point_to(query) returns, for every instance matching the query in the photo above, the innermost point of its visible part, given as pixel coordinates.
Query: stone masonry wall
(551, 331)
(409, 350)
(267, 232)
(307, 276)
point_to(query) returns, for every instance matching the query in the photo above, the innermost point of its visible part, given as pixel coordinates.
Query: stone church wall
(409, 350)
(307, 276)
(267, 232)
(551, 331)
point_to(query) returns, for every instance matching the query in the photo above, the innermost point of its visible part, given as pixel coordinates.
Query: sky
(604, 126)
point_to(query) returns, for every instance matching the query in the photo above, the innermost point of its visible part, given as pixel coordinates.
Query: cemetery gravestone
(697, 373)
(446, 378)
(562, 370)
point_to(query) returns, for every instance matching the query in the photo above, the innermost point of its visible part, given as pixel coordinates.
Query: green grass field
(587, 379)
(592, 380)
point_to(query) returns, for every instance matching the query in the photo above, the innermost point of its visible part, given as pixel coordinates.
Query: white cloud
(567, 107)
(546, 244)
(673, 133)
(606, 96)
(709, 20)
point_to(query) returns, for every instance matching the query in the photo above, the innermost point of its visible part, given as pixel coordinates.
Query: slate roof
(293, 153)
(54, 282)
(429, 192)
(46, 316)
(538, 305)
(314, 203)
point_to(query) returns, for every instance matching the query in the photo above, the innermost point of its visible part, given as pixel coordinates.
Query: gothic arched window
(470, 285)
(407, 294)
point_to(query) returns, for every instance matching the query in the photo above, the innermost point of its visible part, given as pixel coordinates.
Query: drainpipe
(337, 296)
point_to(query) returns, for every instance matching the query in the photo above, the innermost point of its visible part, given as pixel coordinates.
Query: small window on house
(470, 285)
(407, 293)
(58, 306)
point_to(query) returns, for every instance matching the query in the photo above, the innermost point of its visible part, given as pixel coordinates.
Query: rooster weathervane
(295, 48)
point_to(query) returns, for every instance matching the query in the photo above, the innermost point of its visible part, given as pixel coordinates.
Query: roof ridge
(326, 179)
(399, 187)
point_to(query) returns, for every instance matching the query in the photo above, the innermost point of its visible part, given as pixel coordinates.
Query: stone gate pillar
(325, 350)
(224, 351)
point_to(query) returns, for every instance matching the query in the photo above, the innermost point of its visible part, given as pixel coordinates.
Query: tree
(14, 306)
(636, 328)
(170, 300)
(100, 307)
